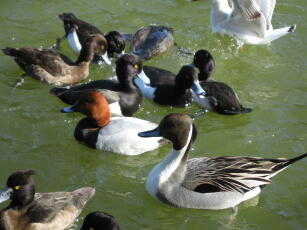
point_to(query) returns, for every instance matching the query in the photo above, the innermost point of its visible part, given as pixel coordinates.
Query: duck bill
(151, 133)
(192, 64)
(144, 77)
(69, 109)
(5, 194)
(106, 58)
(197, 89)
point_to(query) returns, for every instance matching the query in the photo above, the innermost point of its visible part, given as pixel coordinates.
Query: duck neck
(86, 54)
(173, 167)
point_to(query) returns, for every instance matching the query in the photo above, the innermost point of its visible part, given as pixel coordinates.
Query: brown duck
(55, 68)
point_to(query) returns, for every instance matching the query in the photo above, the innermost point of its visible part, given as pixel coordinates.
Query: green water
(270, 79)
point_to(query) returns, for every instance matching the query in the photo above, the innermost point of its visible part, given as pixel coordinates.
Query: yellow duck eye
(136, 66)
(17, 187)
(91, 228)
(102, 47)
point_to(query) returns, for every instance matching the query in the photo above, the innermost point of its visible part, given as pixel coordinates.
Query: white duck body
(121, 136)
(248, 20)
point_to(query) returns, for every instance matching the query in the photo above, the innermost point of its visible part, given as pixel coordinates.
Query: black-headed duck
(77, 38)
(226, 101)
(55, 68)
(176, 94)
(117, 134)
(29, 210)
(123, 96)
(99, 221)
(206, 182)
(151, 41)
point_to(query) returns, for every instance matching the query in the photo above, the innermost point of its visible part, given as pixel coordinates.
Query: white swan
(248, 20)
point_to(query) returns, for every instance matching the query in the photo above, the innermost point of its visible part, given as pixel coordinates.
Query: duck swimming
(29, 210)
(55, 68)
(116, 134)
(123, 96)
(176, 94)
(99, 221)
(207, 182)
(248, 20)
(225, 100)
(78, 31)
(151, 41)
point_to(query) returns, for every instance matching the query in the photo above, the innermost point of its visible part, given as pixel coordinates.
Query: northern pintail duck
(248, 20)
(176, 94)
(151, 41)
(29, 210)
(55, 68)
(78, 31)
(123, 96)
(99, 221)
(224, 100)
(208, 182)
(117, 134)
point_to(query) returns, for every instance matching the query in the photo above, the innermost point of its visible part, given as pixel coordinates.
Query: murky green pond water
(270, 79)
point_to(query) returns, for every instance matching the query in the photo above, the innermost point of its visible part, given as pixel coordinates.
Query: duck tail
(277, 33)
(246, 110)
(284, 163)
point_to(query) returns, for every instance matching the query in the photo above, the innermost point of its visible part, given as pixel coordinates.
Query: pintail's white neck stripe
(173, 160)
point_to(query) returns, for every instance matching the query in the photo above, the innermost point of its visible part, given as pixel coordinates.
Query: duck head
(96, 44)
(116, 43)
(20, 189)
(187, 78)
(204, 61)
(99, 220)
(128, 66)
(94, 105)
(174, 127)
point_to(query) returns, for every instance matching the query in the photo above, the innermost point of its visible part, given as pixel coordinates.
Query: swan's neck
(171, 170)
(220, 11)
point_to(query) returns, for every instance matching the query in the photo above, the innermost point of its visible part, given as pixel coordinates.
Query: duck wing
(58, 208)
(159, 76)
(241, 174)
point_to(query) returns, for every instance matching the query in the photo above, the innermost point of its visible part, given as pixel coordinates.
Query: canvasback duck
(117, 134)
(225, 100)
(123, 96)
(55, 68)
(207, 182)
(248, 20)
(29, 210)
(151, 41)
(99, 221)
(176, 94)
(77, 38)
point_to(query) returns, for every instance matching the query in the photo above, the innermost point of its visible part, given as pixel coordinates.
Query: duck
(78, 31)
(29, 210)
(247, 20)
(123, 96)
(99, 221)
(55, 68)
(151, 41)
(115, 134)
(206, 182)
(176, 94)
(224, 100)
(220, 97)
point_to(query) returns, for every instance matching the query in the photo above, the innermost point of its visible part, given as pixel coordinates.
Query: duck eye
(17, 187)
(136, 66)
(91, 228)
(118, 45)
(102, 47)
